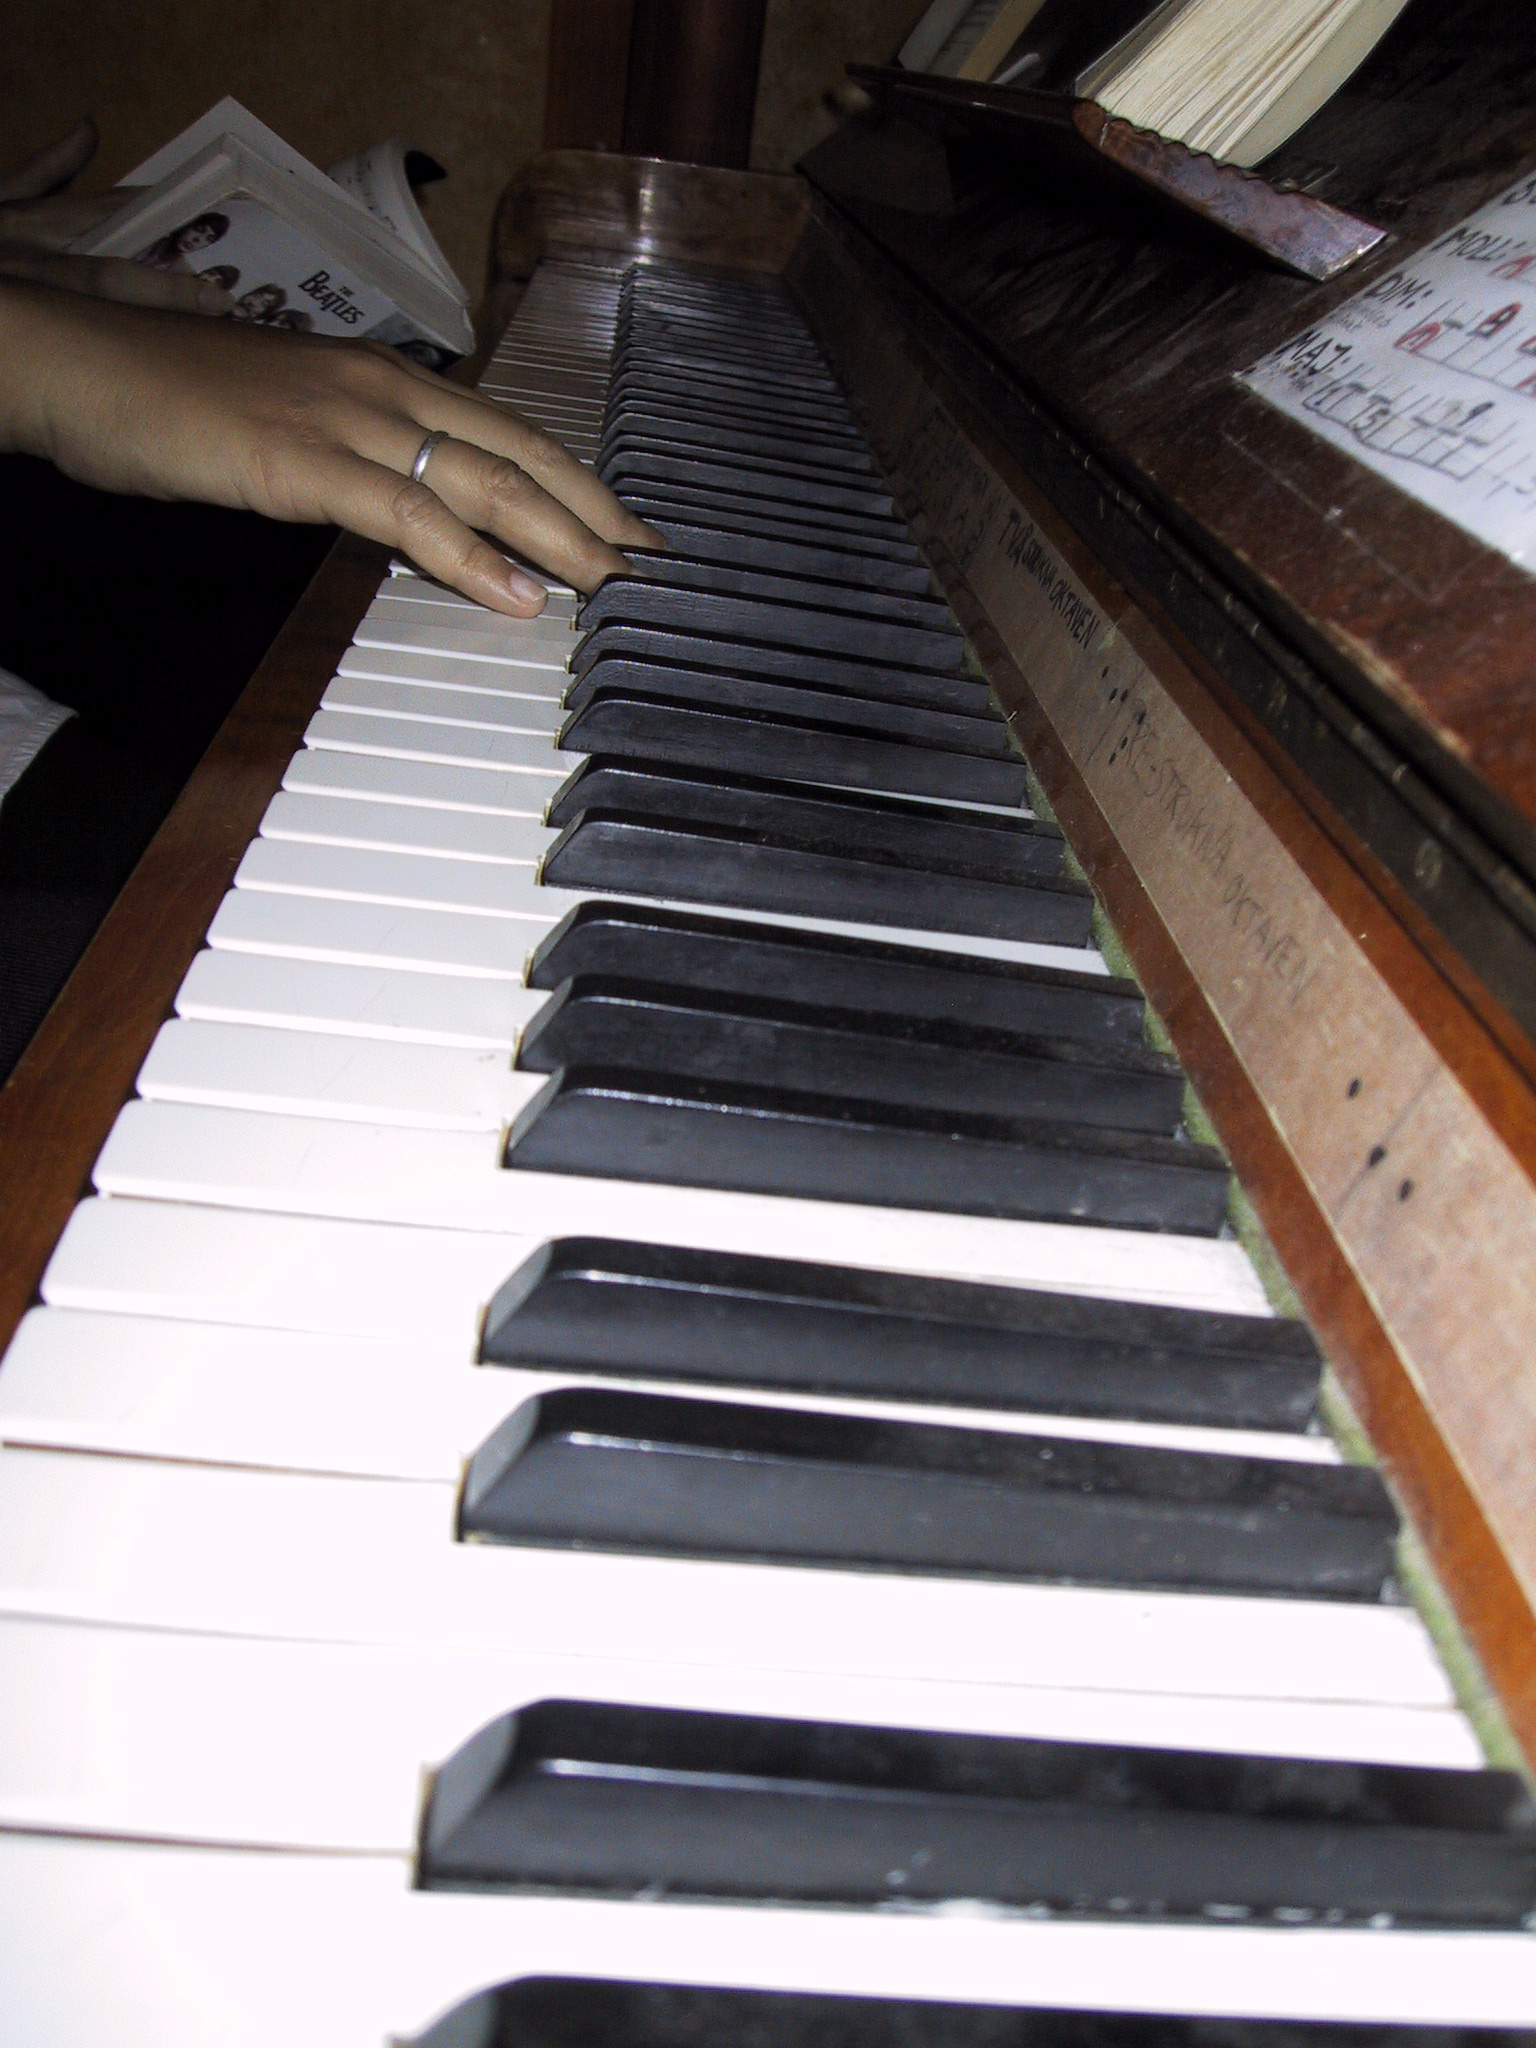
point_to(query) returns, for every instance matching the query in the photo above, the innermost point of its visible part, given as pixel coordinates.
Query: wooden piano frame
(1382, 1125)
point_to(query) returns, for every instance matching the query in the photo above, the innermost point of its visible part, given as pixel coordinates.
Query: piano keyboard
(653, 1430)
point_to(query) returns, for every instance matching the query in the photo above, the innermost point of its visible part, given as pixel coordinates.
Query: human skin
(39, 220)
(102, 373)
(299, 427)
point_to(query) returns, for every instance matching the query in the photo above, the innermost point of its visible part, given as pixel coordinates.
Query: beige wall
(461, 78)
(806, 43)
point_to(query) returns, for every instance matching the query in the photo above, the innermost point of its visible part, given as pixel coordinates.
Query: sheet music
(1428, 376)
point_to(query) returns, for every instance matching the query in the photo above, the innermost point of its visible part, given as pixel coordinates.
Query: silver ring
(424, 456)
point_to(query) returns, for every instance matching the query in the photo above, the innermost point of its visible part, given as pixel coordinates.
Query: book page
(376, 178)
(1428, 376)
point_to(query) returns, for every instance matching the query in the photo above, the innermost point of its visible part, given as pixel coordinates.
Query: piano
(796, 1307)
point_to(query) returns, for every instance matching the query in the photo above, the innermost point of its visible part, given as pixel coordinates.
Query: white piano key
(325, 771)
(362, 1002)
(328, 1074)
(541, 363)
(543, 680)
(147, 1386)
(371, 935)
(484, 710)
(425, 1289)
(429, 1287)
(406, 828)
(401, 610)
(420, 590)
(406, 880)
(132, 1732)
(403, 574)
(538, 673)
(476, 889)
(451, 1180)
(236, 1551)
(140, 1945)
(453, 745)
(319, 928)
(480, 643)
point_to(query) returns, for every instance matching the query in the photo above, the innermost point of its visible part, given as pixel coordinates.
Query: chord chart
(1428, 376)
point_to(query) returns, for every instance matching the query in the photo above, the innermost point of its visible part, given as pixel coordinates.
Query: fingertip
(528, 595)
(642, 536)
(213, 299)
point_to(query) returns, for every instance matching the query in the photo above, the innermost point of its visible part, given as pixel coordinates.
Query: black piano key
(1006, 846)
(803, 875)
(706, 952)
(605, 2012)
(718, 492)
(643, 603)
(603, 1020)
(633, 425)
(639, 355)
(791, 558)
(744, 326)
(982, 732)
(731, 399)
(767, 329)
(772, 352)
(624, 675)
(620, 1124)
(660, 1312)
(763, 484)
(675, 403)
(767, 475)
(585, 1797)
(818, 593)
(955, 691)
(606, 1468)
(884, 540)
(822, 750)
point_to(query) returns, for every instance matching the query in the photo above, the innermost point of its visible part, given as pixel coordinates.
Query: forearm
(24, 335)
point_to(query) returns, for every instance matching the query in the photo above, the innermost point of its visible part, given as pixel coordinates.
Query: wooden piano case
(1284, 714)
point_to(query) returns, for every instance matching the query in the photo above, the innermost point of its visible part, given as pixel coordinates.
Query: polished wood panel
(621, 208)
(1387, 1143)
(588, 73)
(58, 1105)
(693, 80)
(1076, 140)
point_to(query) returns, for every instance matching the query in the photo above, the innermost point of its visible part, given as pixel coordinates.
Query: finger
(499, 497)
(541, 456)
(58, 223)
(370, 499)
(492, 493)
(47, 169)
(113, 277)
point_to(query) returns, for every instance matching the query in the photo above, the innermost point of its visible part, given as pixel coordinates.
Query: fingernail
(212, 298)
(524, 589)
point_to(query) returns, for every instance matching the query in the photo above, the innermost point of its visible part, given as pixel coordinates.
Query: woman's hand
(39, 221)
(305, 429)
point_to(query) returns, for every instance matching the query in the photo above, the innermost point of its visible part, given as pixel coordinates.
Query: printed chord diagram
(1491, 340)
(1458, 438)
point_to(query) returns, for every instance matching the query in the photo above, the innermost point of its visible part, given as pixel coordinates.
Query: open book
(346, 253)
(1226, 78)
